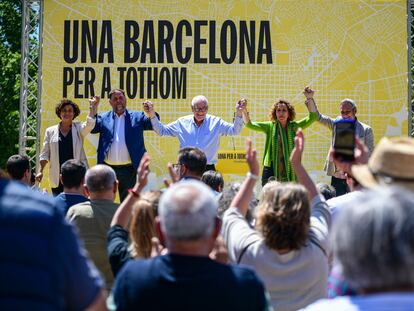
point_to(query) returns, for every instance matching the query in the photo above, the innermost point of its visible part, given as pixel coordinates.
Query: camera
(344, 140)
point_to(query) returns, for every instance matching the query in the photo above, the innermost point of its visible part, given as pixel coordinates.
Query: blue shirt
(66, 200)
(205, 137)
(42, 265)
(178, 282)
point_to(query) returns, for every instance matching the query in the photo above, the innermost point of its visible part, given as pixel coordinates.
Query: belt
(119, 166)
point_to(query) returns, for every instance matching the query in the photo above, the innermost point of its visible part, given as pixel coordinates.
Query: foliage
(10, 33)
(412, 70)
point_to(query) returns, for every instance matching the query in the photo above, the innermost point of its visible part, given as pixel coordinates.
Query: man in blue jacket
(43, 266)
(187, 278)
(121, 140)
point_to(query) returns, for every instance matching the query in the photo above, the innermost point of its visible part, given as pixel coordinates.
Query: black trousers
(267, 173)
(127, 176)
(340, 186)
(210, 167)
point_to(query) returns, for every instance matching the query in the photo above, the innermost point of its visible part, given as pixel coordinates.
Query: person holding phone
(280, 133)
(348, 110)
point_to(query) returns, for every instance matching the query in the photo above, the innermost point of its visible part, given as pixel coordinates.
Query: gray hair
(100, 178)
(349, 101)
(227, 196)
(326, 190)
(199, 98)
(187, 211)
(374, 240)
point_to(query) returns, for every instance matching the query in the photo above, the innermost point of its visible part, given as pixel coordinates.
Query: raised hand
(251, 158)
(173, 174)
(241, 106)
(93, 105)
(296, 155)
(148, 108)
(143, 171)
(308, 92)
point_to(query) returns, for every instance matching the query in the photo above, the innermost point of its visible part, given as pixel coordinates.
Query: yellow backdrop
(353, 49)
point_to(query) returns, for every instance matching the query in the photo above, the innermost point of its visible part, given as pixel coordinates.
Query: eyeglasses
(203, 109)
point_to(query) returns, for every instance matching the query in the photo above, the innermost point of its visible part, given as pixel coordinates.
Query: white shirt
(118, 152)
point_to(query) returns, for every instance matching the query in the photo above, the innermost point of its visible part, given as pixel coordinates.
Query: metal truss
(30, 79)
(410, 40)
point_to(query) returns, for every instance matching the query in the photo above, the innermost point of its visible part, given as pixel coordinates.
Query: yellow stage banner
(171, 51)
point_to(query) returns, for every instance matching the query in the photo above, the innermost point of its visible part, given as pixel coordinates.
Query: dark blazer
(136, 122)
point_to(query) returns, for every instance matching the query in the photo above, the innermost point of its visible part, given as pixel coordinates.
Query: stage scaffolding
(30, 81)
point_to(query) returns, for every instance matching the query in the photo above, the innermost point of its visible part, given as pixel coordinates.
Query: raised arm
(242, 199)
(159, 128)
(310, 102)
(89, 124)
(231, 129)
(320, 215)
(312, 107)
(93, 106)
(296, 160)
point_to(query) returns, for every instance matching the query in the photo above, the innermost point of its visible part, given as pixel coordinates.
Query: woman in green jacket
(280, 136)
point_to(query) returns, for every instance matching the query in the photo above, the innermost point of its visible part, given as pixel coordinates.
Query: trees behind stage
(10, 37)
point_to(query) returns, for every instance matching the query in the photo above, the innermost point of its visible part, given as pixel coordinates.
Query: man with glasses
(200, 130)
(191, 163)
(363, 131)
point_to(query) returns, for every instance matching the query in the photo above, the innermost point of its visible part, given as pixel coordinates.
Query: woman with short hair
(64, 141)
(288, 247)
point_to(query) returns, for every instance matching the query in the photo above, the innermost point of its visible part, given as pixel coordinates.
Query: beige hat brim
(364, 176)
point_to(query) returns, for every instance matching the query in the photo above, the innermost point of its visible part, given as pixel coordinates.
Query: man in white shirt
(200, 130)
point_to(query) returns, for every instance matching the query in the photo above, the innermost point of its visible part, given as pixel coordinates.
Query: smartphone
(344, 140)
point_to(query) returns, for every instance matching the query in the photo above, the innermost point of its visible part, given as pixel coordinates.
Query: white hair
(199, 98)
(187, 211)
(349, 101)
(100, 178)
(374, 240)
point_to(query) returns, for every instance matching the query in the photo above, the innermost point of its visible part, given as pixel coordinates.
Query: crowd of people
(201, 243)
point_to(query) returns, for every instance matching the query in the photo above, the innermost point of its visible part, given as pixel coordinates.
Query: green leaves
(10, 33)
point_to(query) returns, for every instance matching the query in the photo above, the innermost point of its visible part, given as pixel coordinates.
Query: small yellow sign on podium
(232, 161)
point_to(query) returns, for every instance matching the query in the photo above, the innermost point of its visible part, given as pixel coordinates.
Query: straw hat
(392, 162)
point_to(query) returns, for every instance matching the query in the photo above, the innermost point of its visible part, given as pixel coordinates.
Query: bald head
(100, 178)
(188, 211)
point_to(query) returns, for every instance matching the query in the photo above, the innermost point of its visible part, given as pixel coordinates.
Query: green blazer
(273, 131)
